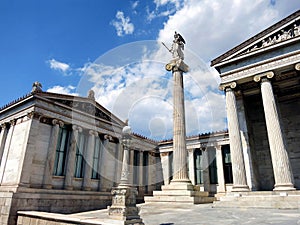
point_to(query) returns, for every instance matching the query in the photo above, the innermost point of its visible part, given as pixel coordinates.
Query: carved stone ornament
(297, 66)
(231, 85)
(268, 75)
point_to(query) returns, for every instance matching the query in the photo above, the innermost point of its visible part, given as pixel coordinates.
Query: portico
(261, 83)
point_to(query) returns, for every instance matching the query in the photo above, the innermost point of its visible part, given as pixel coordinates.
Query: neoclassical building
(60, 153)
(261, 81)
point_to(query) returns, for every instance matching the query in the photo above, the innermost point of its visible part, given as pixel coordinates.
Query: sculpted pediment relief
(283, 32)
(85, 107)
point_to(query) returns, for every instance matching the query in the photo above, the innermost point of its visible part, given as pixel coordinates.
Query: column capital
(93, 133)
(191, 150)
(230, 85)
(259, 77)
(3, 125)
(108, 137)
(77, 128)
(297, 66)
(57, 122)
(13, 122)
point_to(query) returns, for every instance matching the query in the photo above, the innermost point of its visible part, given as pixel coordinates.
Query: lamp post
(123, 206)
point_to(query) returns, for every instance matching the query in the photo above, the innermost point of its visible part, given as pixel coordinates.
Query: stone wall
(259, 142)
(290, 121)
(50, 201)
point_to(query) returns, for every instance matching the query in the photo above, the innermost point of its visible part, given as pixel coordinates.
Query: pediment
(84, 105)
(281, 33)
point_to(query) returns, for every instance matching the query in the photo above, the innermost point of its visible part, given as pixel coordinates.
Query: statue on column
(177, 54)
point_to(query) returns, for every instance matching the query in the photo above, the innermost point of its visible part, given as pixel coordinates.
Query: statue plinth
(124, 205)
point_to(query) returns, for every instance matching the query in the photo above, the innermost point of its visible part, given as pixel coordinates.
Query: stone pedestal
(124, 206)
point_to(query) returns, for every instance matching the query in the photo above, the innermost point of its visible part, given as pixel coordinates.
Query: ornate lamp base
(124, 206)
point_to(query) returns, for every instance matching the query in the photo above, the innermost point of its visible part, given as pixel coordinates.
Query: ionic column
(71, 158)
(131, 166)
(165, 163)
(10, 133)
(51, 153)
(104, 165)
(281, 167)
(205, 168)
(88, 156)
(238, 165)
(3, 136)
(117, 164)
(179, 135)
(141, 173)
(220, 169)
(192, 166)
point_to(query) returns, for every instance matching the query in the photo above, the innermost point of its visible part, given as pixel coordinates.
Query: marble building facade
(60, 153)
(261, 81)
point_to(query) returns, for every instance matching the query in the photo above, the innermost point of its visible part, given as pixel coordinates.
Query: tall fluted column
(71, 158)
(236, 150)
(3, 136)
(10, 133)
(104, 166)
(51, 153)
(192, 166)
(220, 170)
(179, 144)
(89, 161)
(281, 167)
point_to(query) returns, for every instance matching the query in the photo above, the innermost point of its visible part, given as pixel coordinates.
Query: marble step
(180, 193)
(180, 199)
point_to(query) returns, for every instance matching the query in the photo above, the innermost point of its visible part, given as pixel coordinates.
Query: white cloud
(134, 4)
(131, 81)
(60, 66)
(63, 90)
(122, 24)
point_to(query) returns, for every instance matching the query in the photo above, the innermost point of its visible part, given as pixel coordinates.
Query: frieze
(259, 68)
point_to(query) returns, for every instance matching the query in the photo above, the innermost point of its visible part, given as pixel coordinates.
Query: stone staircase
(260, 199)
(180, 193)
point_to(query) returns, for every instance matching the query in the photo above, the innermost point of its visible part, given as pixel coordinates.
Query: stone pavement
(202, 214)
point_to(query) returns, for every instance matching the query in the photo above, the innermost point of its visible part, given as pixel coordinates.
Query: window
(79, 155)
(96, 158)
(61, 151)
(213, 174)
(198, 157)
(227, 164)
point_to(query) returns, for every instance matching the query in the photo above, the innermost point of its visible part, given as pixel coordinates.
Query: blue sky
(63, 43)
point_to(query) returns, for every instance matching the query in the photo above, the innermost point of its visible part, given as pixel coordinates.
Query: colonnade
(281, 167)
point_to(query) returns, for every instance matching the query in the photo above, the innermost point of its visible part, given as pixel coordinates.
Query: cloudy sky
(114, 47)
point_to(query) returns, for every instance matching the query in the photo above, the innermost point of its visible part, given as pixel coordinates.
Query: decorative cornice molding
(268, 75)
(231, 85)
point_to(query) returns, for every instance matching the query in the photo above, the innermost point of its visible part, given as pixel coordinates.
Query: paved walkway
(204, 214)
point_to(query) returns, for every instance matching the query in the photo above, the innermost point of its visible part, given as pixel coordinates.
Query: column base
(284, 187)
(240, 188)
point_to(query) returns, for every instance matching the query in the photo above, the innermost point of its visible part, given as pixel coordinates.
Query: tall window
(96, 158)
(145, 175)
(79, 155)
(198, 157)
(213, 175)
(227, 164)
(61, 151)
(136, 168)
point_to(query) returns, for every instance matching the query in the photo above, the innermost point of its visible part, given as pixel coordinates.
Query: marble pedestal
(179, 192)
(124, 207)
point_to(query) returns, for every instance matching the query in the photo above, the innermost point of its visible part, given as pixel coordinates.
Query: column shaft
(71, 158)
(89, 151)
(179, 142)
(238, 166)
(220, 169)
(3, 136)
(280, 161)
(104, 173)
(51, 154)
(192, 166)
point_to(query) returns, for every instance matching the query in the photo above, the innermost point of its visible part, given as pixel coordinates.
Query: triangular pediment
(281, 33)
(84, 105)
